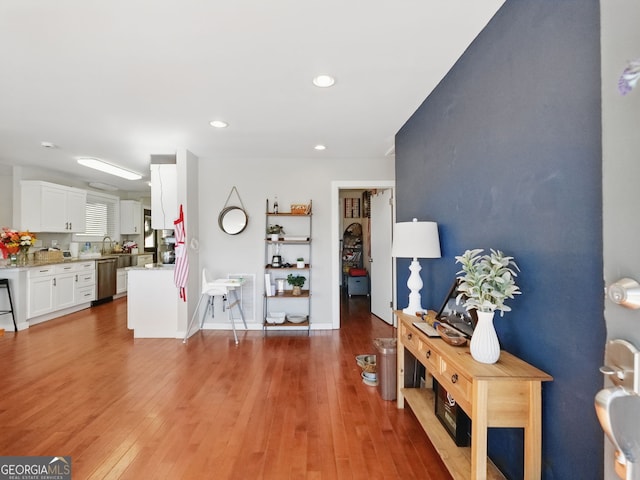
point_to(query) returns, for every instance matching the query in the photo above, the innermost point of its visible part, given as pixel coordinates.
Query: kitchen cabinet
(39, 291)
(164, 196)
(85, 282)
(288, 247)
(57, 287)
(121, 280)
(47, 207)
(130, 217)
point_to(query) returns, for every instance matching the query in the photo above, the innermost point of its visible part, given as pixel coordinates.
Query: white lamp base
(414, 283)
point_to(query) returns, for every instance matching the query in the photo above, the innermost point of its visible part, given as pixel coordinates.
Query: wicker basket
(48, 256)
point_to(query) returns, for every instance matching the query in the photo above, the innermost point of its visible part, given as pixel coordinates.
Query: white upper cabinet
(164, 196)
(47, 207)
(130, 217)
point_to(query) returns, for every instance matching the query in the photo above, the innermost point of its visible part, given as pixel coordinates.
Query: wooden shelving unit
(289, 249)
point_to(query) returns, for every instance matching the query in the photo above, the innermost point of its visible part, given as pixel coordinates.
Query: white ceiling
(123, 79)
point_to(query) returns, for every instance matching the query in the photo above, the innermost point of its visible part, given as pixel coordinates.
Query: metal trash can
(386, 362)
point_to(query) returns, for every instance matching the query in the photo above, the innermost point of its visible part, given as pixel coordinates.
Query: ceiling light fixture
(320, 147)
(324, 81)
(103, 186)
(218, 124)
(48, 144)
(108, 168)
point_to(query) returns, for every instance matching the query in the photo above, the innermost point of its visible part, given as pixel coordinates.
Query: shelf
(290, 246)
(288, 294)
(287, 324)
(290, 242)
(456, 459)
(292, 267)
(271, 214)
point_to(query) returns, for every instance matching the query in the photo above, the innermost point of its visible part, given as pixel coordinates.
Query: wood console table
(506, 394)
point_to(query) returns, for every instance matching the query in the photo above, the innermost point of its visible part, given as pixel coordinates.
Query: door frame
(336, 235)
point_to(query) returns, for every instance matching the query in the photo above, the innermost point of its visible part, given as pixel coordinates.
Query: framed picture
(352, 208)
(455, 314)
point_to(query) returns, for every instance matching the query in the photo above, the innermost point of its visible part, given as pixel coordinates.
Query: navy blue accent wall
(506, 153)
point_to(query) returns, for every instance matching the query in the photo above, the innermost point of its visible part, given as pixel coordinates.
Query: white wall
(621, 169)
(293, 181)
(6, 197)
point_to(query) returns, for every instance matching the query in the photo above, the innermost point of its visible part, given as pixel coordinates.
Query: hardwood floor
(276, 407)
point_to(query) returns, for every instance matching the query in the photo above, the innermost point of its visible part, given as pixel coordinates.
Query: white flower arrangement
(486, 281)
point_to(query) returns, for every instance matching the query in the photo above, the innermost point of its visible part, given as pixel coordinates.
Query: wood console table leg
(479, 430)
(533, 434)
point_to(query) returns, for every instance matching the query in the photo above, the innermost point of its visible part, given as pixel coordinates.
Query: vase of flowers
(486, 282)
(15, 245)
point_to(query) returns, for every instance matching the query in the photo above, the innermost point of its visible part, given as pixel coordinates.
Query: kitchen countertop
(68, 260)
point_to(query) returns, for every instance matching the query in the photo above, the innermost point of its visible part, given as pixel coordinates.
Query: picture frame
(455, 315)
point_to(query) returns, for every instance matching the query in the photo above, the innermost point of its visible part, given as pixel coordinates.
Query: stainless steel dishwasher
(106, 280)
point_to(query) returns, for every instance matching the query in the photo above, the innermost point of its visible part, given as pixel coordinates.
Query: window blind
(101, 214)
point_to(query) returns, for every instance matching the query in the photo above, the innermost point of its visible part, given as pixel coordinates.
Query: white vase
(485, 347)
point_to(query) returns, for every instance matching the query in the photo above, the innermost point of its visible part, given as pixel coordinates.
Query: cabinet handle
(76, 278)
(454, 378)
(409, 336)
(70, 226)
(54, 282)
(428, 354)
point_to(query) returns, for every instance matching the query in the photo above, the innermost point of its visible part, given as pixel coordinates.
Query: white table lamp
(415, 240)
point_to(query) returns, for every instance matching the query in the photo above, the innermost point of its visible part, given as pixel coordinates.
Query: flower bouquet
(13, 241)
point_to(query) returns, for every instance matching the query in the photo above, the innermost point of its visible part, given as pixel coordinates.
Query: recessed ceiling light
(98, 164)
(47, 145)
(320, 147)
(218, 124)
(324, 81)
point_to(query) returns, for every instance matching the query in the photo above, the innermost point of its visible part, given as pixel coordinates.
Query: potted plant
(275, 231)
(486, 282)
(296, 281)
(300, 262)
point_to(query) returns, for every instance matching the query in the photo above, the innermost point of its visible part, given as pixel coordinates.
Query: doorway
(337, 210)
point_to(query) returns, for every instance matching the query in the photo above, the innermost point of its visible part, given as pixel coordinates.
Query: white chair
(218, 288)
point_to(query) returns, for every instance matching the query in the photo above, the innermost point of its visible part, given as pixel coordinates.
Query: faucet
(103, 251)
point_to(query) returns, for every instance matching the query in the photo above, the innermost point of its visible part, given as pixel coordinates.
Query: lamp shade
(416, 240)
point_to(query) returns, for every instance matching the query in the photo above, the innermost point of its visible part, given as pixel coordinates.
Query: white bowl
(296, 318)
(370, 376)
(276, 317)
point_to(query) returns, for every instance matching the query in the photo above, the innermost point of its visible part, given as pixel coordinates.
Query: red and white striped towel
(181, 273)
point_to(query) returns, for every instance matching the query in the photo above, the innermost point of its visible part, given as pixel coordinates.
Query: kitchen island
(152, 305)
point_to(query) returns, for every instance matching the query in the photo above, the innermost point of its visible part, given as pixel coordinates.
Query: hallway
(275, 407)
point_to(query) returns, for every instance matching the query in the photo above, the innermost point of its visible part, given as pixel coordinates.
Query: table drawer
(410, 340)
(429, 357)
(456, 384)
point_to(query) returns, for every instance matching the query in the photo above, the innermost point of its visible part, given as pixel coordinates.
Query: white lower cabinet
(85, 282)
(121, 280)
(57, 287)
(39, 291)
